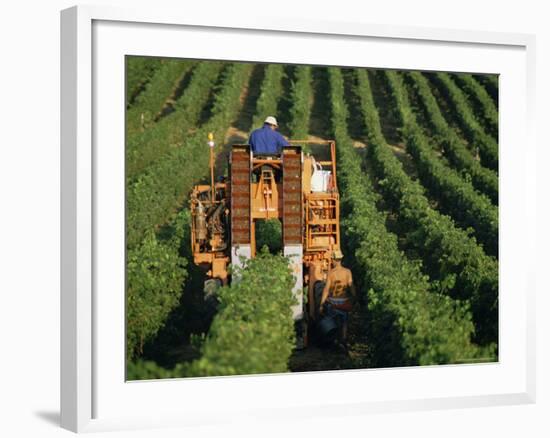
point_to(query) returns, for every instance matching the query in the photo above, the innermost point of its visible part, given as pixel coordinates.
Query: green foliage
(483, 179)
(149, 103)
(140, 369)
(455, 196)
(488, 147)
(253, 331)
(157, 192)
(269, 232)
(479, 95)
(300, 111)
(155, 269)
(171, 132)
(139, 70)
(409, 324)
(269, 94)
(155, 278)
(490, 82)
(452, 258)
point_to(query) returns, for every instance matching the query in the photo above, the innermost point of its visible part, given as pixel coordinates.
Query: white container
(320, 178)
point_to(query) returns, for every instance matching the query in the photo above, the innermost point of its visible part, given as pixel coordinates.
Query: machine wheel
(301, 333)
(211, 287)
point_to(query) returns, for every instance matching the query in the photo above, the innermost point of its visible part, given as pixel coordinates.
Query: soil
(317, 357)
(319, 123)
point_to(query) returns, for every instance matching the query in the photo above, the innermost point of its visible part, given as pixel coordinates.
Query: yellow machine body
(300, 189)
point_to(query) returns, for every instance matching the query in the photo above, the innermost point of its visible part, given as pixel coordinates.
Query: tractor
(295, 187)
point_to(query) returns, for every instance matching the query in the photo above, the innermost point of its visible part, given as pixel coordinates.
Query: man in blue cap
(266, 140)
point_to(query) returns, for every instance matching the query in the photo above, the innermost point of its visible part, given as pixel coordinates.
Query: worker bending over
(266, 140)
(339, 291)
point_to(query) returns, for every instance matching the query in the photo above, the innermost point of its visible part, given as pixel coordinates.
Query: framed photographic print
(245, 231)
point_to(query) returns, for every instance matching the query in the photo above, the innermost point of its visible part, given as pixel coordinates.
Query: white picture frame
(86, 391)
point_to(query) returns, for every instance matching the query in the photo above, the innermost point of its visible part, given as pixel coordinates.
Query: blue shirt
(266, 141)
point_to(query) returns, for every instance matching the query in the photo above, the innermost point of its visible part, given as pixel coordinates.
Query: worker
(266, 140)
(339, 293)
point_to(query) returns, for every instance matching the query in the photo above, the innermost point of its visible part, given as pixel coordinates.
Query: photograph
(307, 218)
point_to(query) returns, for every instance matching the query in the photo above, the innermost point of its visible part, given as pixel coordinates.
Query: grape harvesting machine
(295, 187)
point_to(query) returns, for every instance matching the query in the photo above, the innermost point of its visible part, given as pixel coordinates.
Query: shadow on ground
(51, 417)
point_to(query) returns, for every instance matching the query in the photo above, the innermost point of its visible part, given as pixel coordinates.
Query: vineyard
(417, 162)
